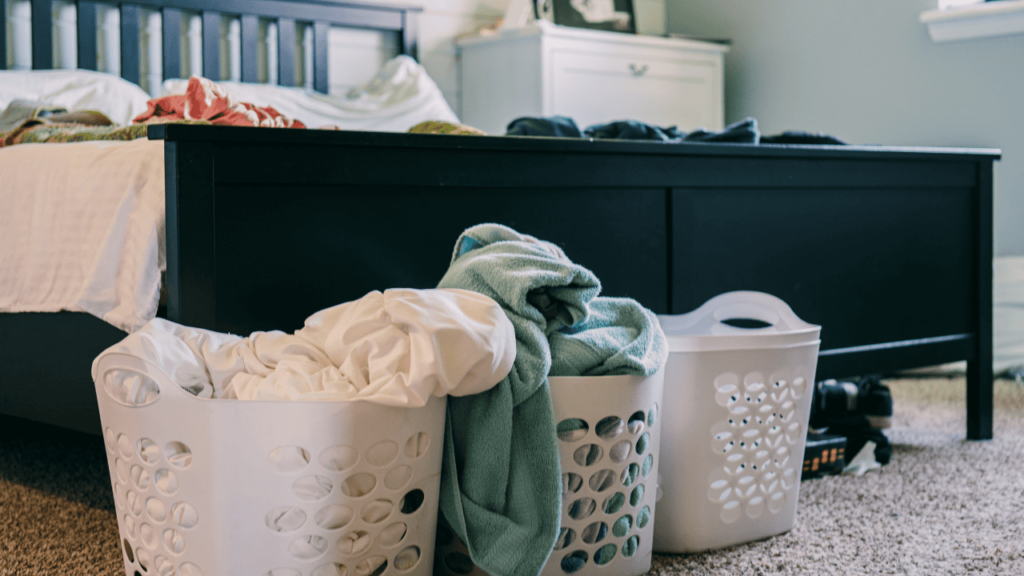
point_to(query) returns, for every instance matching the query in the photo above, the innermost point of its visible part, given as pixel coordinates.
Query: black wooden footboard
(889, 249)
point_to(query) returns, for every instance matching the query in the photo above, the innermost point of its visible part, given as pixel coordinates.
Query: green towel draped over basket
(500, 482)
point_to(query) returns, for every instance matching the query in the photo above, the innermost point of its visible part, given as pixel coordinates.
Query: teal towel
(618, 337)
(501, 479)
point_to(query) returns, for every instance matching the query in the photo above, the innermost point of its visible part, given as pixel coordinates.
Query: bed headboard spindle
(284, 14)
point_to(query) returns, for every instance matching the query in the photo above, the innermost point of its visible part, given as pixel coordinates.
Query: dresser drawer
(595, 89)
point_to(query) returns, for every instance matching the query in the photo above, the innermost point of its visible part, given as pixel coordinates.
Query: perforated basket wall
(609, 430)
(732, 445)
(225, 487)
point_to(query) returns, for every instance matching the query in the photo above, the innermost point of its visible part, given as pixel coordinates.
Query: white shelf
(1002, 18)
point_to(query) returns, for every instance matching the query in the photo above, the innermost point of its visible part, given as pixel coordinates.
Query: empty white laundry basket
(609, 429)
(737, 398)
(226, 487)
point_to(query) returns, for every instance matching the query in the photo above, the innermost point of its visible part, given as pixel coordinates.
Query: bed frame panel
(322, 15)
(889, 249)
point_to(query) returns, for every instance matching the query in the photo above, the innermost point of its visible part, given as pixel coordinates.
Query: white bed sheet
(398, 97)
(82, 229)
(119, 99)
(82, 225)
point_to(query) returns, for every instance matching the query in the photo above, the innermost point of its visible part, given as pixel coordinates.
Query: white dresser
(590, 76)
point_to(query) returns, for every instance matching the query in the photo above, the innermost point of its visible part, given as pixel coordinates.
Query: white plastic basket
(609, 435)
(737, 402)
(219, 487)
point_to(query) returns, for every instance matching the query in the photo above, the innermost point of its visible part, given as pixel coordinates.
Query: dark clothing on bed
(555, 127)
(633, 130)
(798, 137)
(744, 131)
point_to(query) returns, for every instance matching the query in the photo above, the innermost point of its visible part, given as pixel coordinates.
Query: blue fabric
(633, 130)
(800, 137)
(555, 126)
(745, 131)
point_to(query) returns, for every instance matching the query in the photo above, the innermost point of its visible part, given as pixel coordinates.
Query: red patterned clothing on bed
(205, 100)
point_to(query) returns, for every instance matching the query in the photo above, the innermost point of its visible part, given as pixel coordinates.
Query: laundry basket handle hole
(129, 387)
(748, 315)
(748, 323)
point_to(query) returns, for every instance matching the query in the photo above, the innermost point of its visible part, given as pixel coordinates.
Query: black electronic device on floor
(824, 455)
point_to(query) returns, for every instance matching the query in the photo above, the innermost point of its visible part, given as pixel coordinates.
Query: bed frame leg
(979, 369)
(979, 399)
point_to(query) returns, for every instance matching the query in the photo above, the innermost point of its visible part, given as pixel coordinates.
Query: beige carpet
(943, 506)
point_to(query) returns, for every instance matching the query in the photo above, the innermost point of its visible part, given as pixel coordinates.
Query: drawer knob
(637, 70)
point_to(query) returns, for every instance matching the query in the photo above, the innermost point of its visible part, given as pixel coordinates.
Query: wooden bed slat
(410, 34)
(42, 34)
(322, 14)
(250, 45)
(286, 51)
(3, 34)
(320, 70)
(85, 22)
(131, 20)
(211, 45)
(171, 42)
(382, 17)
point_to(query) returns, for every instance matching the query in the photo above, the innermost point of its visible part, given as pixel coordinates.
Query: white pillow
(397, 98)
(116, 97)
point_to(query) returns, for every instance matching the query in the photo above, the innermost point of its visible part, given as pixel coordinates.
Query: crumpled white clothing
(395, 348)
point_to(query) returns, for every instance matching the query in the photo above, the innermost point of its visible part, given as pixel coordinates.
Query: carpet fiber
(942, 506)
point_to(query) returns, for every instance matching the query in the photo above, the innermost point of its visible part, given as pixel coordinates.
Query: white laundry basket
(737, 402)
(609, 432)
(229, 487)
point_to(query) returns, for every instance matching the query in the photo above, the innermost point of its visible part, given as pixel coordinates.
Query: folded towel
(500, 480)
(619, 337)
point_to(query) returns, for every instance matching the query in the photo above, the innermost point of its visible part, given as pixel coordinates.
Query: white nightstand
(590, 76)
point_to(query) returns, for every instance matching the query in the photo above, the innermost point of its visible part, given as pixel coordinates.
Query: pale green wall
(867, 72)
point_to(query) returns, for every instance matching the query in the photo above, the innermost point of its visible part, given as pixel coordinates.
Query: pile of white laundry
(395, 348)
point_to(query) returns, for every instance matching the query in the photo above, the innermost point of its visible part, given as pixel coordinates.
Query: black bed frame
(888, 249)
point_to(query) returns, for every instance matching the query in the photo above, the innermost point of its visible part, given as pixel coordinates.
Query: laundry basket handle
(118, 360)
(770, 310)
(748, 305)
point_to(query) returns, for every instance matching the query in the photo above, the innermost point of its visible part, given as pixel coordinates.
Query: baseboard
(1008, 313)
